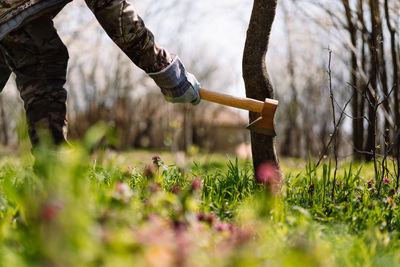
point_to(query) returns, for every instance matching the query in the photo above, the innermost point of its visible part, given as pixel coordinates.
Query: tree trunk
(372, 116)
(395, 63)
(258, 85)
(351, 28)
(382, 70)
(290, 145)
(363, 83)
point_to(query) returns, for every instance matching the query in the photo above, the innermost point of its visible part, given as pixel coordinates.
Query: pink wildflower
(209, 218)
(50, 210)
(222, 227)
(154, 187)
(243, 235)
(200, 216)
(205, 218)
(311, 188)
(386, 181)
(122, 192)
(391, 201)
(175, 189)
(149, 171)
(179, 226)
(392, 191)
(196, 185)
(268, 173)
(156, 160)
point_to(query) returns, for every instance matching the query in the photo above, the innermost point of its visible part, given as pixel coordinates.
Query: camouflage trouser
(4, 71)
(37, 56)
(39, 60)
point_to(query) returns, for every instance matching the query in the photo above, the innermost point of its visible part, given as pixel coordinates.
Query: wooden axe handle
(232, 101)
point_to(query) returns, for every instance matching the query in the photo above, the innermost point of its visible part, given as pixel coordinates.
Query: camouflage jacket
(13, 13)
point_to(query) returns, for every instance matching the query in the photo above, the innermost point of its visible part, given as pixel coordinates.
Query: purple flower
(391, 201)
(122, 192)
(149, 171)
(370, 183)
(386, 181)
(154, 187)
(209, 218)
(222, 226)
(311, 188)
(156, 160)
(49, 210)
(268, 173)
(179, 226)
(202, 217)
(196, 185)
(392, 191)
(175, 189)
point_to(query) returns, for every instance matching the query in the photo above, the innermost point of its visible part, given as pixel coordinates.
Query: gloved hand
(177, 85)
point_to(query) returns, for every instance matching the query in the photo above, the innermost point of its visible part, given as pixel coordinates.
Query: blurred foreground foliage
(70, 210)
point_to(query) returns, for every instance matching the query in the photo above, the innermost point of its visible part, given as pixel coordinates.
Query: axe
(264, 124)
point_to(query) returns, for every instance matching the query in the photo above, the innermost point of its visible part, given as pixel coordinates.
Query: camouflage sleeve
(4, 72)
(122, 23)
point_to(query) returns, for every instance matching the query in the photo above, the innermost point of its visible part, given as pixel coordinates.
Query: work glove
(177, 85)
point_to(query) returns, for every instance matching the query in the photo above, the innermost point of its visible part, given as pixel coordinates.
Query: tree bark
(257, 83)
(357, 120)
(363, 83)
(382, 72)
(373, 73)
(395, 63)
(290, 145)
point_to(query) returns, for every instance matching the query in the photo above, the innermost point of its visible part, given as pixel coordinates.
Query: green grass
(76, 209)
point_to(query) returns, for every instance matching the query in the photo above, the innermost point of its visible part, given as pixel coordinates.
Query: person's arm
(4, 72)
(122, 23)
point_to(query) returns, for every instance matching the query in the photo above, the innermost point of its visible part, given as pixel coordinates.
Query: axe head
(265, 123)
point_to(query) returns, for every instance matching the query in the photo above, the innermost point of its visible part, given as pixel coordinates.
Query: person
(32, 50)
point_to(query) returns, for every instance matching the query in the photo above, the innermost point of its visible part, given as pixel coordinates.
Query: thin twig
(336, 129)
(334, 124)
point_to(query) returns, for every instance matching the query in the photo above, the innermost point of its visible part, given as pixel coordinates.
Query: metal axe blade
(265, 123)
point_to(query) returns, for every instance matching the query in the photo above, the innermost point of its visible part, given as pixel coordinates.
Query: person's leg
(4, 71)
(39, 59)
(122, 23)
